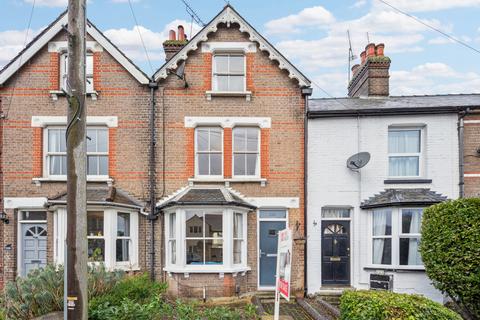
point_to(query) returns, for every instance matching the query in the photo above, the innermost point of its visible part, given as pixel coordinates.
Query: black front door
(335, 252)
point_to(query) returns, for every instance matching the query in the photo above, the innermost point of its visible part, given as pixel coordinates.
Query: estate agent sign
(284, 268)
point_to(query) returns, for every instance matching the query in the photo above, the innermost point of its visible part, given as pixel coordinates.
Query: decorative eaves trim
(48, 34)
(229, 16)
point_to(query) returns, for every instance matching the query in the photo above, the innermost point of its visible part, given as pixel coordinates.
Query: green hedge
(386, 305)
(450, 249)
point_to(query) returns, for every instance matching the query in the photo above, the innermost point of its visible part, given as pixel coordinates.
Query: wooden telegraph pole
(76, 268)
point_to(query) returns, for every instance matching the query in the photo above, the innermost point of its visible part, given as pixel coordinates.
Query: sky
(312, 34)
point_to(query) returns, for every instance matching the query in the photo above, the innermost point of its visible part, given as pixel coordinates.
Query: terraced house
(191, 173)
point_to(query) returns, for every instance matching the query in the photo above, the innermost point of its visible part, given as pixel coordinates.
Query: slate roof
(428, 104)
(102, 196)
(205, 196)
(403, 197)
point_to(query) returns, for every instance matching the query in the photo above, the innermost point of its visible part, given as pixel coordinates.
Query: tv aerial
(358, 160)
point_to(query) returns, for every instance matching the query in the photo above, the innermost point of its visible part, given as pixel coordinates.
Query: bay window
(209, 151)
(206, 240)
(229, 72)
(123, 237)
(396, 237)
(95, 236)
(404, 152)
(246, 146)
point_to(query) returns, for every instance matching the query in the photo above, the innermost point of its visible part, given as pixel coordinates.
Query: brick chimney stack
(370, 78)
(176, 41)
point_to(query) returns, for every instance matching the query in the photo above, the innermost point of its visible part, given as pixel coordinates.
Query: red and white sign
(284, 262)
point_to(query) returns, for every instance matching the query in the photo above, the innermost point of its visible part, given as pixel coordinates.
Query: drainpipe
(153, 85)
(306, 93)
(461, 151)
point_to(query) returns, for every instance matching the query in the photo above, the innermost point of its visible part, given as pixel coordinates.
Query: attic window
(88, 72)
(229, 72)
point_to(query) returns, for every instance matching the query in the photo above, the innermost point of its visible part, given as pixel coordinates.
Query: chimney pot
(379, 49)
(363, 56)
(370, 49)
(181, 33)
(172, 35)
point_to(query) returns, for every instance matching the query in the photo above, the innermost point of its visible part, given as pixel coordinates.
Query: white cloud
(433, 78)
(12, 42)
(318, 17)
(49, 3)
(128, 40)
(428, 5)
(359, 4)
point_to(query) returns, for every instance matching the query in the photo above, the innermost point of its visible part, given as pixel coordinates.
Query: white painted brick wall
(331, 183)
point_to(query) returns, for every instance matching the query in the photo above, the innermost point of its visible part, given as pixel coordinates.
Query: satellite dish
(358, 160)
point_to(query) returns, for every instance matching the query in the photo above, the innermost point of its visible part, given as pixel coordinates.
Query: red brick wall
(227, 152)
(471, 155)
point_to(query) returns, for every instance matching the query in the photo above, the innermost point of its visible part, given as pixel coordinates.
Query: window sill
(38, 181)
(56, 93)
(406, 181)
(227, 181)
(246, 94)
(205, 269)
(396, 268)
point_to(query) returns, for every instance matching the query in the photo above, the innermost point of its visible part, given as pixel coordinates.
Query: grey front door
(34, 246)
(268, 251)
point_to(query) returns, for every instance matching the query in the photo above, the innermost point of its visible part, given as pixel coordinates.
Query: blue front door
(268, 251)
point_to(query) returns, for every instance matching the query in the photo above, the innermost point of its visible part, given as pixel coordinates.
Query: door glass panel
(34, 215)
(335, 213)
(273, 214)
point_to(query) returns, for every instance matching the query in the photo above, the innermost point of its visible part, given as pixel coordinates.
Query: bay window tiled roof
(403, 197)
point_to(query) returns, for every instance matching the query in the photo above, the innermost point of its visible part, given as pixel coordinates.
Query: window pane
(172, 225)
(214, 251)
(382, 223)
(411, 220)
(194, 251)
(91, 140)
(239, 165)
(89, 64)
(382, 251)
(95, 223)
(96, 249)
(239, 139)
(102, 140)
(269, 214)
(123, 224)
(103, 165)
(92, 165)
(34, 215)
(252, 164)
(216, 164)
(56, 140)
(236, 83)
(173, 251)
(221, 83)
(221, 64)
(335, 213)
(237, 64)
(58, 165)
(252, 139)
(202, 139)
(194, 224)
(237, 251)
(203, 163)
(215, 139)
(213, 225)
(238, 225)
(123, 250)
(403, 141)
(409, 254)
(404, 166)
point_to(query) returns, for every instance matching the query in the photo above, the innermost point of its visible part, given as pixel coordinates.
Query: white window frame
(197, 175)
(420, 154)
(396, 235)
(47, 154)
(129, 238)
(110, 236)
(89, 85)
(102, 237)
(228, 266)
(105, 153)
(215, 73)
(402, 235)
(258, 153)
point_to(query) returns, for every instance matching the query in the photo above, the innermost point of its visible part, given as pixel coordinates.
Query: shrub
(386, 305)
(41, 291)
(451, 252)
